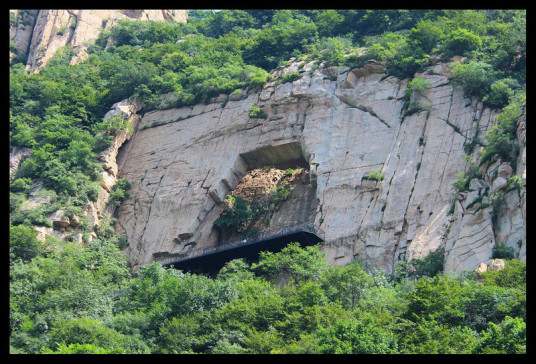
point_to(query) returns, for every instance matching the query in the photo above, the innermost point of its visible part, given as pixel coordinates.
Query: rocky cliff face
(345, 124)
(341, 123)
(40, 33)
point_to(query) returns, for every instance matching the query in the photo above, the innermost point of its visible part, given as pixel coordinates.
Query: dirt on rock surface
(259, 183)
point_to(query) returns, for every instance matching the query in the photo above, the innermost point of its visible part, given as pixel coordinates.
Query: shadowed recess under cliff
(212, 260)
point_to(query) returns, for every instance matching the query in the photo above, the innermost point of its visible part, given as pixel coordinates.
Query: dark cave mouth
(289, 155)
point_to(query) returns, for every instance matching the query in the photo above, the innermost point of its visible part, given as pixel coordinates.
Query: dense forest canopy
(67, 297)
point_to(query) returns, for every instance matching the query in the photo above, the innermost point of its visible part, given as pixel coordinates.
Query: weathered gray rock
(21, 33)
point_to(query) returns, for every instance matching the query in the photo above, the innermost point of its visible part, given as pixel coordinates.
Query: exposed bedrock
(344, 124)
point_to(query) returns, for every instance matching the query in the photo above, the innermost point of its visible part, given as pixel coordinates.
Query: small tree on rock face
(500, 94)
(374, 175)
(474, 77)
(257, 112)
(416, 86)
(119, 192)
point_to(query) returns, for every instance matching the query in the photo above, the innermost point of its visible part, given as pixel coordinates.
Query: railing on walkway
(240, 242)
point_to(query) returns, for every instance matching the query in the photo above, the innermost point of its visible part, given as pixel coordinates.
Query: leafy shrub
(401, 58)
(474, 77)
(501, 251)
(284, 37)
(514, 183)
(23, 243)
(429, 337)
(426, 35)
(461, 41)
(143, 33)
(508, 337)
(21, 185)
(356, 337)
(86, 331)
(501, 139)
(427, 266)
(280, 193)
(416, 86)
(240, 213)
(115, 125)
(375, 175)
(257, 112)
(512, 276)
(331, 50)
(499, 95)
(438, 298)
(119, 192)
(464, 178)
(290, 77)
(300, 263)
(82, 349)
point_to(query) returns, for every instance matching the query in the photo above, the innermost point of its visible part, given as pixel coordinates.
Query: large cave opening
(273, 204)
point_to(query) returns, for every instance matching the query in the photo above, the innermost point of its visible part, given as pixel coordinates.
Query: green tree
(438, 298)
(23, 243)
(356, 337)
(346, 285)
(296, 262)
(81, 349)
(509, 337)
(119, 191)
(426, 35)
(474, 77)
(461, 41)
(500, 94)
(429, 337)
(329, 22)
(86, 331)
(512, 276)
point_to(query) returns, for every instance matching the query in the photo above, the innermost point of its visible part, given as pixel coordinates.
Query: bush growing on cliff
(374, 175)
(119, 192)
(416, 86)
(23, 243)
(501, 251)
(501, 139)
(475, 77)
(500, 93)
(256, 112)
